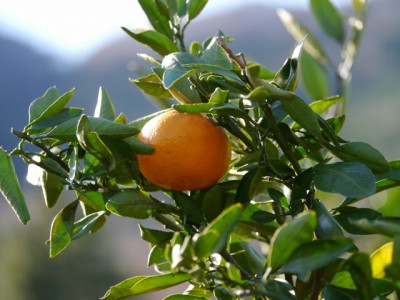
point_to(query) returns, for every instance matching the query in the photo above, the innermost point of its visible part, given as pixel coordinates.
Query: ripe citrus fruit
(190, 151)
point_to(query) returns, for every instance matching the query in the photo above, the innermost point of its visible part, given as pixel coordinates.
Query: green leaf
(176, 74)
(48, 106)
(158, 20)
(217, 70)
(348, 214)
(140, 122)
(314, 76)
(328, 18)
(315, 254)
(190, 209)
(299, 32)
(145, 284)
(290, 236)
(10, 188)
(94, 199)
(215, 55)
(85, 225)
(132, 203)
(67, 131)
(351, 179)
(184, 297)
(63, 116)
(155, 40)
(327, 226)
(154, 236)
(364, 153)
(62, 228)
(39, 105)
(301, 113)
(279, 290)
(92, 143)
(360, 269)
(321, 106)
(152, 86)
(388, 226)
(263, 92)
(51, 188)
(104, 107)
(194, 7)
(215, 236)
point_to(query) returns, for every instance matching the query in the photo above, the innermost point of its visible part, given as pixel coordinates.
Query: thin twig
(49, 154)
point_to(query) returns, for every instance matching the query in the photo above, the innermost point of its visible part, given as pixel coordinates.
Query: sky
(74, 29)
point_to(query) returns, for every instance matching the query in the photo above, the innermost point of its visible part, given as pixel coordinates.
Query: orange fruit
(190, 151)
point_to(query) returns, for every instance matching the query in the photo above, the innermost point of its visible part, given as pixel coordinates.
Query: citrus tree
(236, 167)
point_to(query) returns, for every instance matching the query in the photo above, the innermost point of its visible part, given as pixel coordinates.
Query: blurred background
(80, 44)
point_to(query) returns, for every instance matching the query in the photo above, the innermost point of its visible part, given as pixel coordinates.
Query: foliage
(264, 231)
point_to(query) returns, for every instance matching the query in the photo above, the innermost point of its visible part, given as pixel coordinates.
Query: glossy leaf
(92, 143)
(10, 188)
(158, 20)
(328, 18)
(351, 179)
(67, 131)
(94, 199)
(155, 40)
(61, 117)
(145, 284)
(39, 105)
(131, 203)
(104, 107)
(388, 226)
(62, 229)
(315, 254)
(327, 226)
(290, 236)
(152, 86)
(47, 107)
(154, 236)
(215, 55)
(85, 225)
(279, 290)
(263, 92)
(215, 236)
(302, 114)
(194, 8)
(364, 153)
(348, 214)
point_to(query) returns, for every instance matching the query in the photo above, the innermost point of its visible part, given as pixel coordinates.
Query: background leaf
(328, 18)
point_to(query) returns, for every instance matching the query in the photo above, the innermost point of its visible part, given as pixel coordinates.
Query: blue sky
(73, 29)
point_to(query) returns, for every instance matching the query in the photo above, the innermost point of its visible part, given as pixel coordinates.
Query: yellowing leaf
(381, 258)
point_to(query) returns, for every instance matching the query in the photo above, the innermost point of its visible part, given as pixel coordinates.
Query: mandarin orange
(190, 151)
